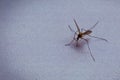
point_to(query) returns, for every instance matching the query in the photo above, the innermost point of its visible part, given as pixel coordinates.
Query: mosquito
(80, 33)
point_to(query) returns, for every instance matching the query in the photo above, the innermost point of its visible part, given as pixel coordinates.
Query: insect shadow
(80, 45)
(80, 34)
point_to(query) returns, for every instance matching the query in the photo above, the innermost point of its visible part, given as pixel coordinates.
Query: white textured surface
(33, 34)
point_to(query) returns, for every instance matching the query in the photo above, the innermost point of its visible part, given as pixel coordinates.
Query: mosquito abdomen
(87, 32)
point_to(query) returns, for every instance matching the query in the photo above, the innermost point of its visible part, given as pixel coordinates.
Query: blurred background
(33, 34)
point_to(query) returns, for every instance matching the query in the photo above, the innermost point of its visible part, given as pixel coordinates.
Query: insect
(80, 33)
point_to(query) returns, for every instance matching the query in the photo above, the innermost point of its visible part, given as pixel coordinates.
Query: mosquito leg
(71, 41)
(89, 49)
(71, 29)
(94, 25)
(76, 43)
(98, 38)
(78, 29)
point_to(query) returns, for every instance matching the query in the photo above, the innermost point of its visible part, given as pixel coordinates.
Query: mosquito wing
(94, 25)
(76, 25)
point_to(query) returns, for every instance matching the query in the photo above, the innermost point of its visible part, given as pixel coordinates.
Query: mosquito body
(79, 35)
(82, 34)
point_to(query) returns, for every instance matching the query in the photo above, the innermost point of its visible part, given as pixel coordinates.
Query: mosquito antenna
(76, 25)
(89, 49)
(94, 25)
(99, 38)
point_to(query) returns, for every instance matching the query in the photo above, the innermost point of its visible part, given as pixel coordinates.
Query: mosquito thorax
(79, 36)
